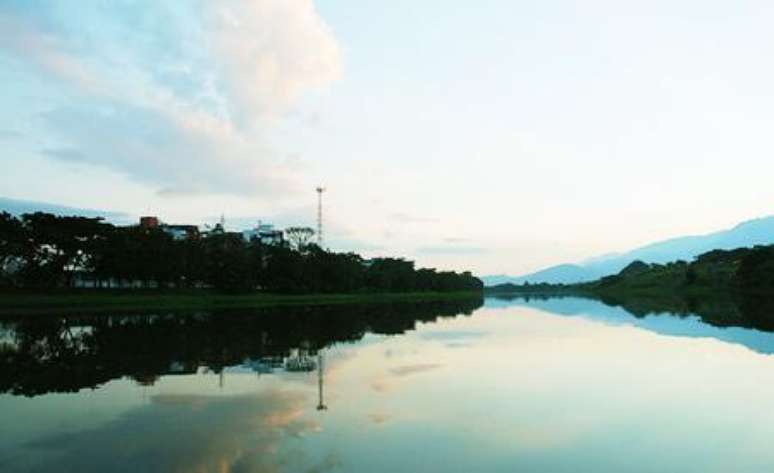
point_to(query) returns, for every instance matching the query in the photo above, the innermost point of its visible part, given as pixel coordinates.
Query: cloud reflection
(187, 433)
(407, 370)
(379, 418)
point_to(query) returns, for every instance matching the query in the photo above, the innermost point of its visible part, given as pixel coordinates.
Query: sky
(496, 136)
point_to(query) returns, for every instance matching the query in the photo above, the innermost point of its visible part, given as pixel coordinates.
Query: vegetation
(18, 302)
(72, 351)
(743, 270)
(739, 270)
(720, 309)
(527, 287)
(44, 251)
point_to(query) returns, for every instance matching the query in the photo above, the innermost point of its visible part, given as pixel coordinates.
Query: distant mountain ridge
(759, 231)
(18, 207)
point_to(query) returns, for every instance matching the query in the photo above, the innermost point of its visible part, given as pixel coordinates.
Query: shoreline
(23, 302)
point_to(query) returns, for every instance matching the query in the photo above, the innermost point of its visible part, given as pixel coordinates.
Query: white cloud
(184, 101)
(270, 52)
(223, 433)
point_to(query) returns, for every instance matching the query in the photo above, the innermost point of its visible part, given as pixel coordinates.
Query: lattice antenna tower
(320, 191)
(320, 372)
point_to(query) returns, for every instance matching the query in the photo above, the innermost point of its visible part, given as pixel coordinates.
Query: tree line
(41, 250)
(746, 270)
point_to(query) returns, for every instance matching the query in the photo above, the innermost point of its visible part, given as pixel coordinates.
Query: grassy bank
(114, 301)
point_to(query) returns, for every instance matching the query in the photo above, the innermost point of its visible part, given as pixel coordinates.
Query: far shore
(83, 301)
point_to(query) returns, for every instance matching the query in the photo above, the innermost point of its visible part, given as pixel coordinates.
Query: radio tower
(320, 191)
(320, 371)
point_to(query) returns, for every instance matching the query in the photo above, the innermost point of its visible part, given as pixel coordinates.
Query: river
(500, 385)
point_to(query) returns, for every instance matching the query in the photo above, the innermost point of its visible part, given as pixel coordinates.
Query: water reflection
(46, 354)
(185, 433)
(560, 385)
(747, 320)
(721, 309)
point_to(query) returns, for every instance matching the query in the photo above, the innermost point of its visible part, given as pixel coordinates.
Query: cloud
(182, 96)
(331, 462)
(379, 418)
(231, 434)
(270, 52)
(407, 370)
(177, 157)
(65, 154)
(387, 382)
(405, 218)
(454, 338)
(450, 250)
(452, 335)
(9, 134)
(356, 245)
(455, 240)
(380, 386)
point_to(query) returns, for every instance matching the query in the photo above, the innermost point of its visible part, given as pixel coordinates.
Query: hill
(560, 274)
(18, 207)
(741, 270)
(746, 234)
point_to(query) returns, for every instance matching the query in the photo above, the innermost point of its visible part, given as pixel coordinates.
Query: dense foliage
(40, 355)
(745, 269)
(44, 251)
(742, 269)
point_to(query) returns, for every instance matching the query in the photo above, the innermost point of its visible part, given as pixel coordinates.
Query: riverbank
(12, 303)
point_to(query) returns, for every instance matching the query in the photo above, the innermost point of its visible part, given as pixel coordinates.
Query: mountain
(560, 274)
(18, 207)
(706, 323)
(750, 233)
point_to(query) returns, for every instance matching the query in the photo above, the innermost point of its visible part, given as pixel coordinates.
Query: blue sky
(501, 136)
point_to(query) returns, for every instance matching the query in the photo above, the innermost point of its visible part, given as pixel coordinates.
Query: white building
(265, 233)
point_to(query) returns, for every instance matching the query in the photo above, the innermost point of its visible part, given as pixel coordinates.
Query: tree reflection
(754, 311)
(43, 354)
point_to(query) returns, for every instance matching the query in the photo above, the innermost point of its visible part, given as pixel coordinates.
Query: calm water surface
(560, 385)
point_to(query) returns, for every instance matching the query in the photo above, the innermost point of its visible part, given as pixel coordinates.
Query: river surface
(547, 385)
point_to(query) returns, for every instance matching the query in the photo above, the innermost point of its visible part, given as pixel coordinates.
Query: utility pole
(320, 371)
(320, 191)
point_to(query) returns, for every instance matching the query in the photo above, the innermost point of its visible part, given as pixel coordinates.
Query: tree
(299, 237)
(756, 270)
(690, 275)
(231, 264)
(58, 247)
(12, 241)
(45, 250)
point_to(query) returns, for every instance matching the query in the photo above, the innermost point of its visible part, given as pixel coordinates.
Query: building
(182, 232)
(149, 222)
(368, 262)
(300, 360)
(265, 233)
(178, 232)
